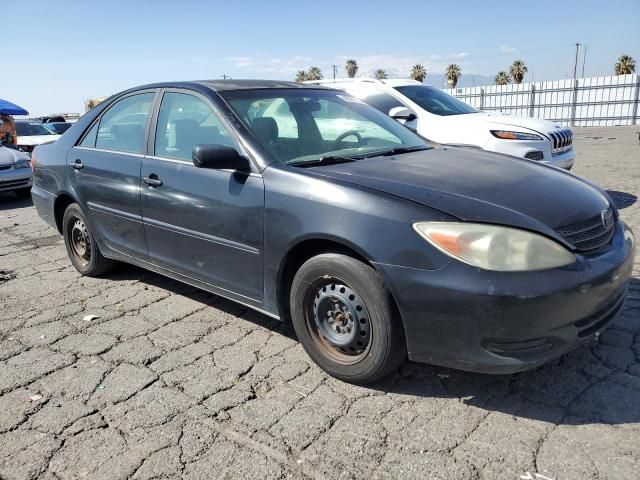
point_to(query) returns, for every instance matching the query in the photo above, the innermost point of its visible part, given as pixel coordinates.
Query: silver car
(15, 172)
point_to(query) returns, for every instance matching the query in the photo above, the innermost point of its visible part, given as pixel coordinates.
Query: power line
(524, 52)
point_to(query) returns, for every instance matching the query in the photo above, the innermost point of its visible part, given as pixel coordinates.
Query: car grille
(589, 234)
(562, 140)
(13, 183)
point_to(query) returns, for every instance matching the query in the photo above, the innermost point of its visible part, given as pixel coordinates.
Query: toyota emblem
(607, 218)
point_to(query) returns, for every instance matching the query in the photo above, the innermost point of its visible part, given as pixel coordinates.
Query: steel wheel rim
(337, 320)
(80, 241)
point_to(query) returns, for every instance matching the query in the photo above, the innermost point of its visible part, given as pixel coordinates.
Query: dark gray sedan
(304, 203)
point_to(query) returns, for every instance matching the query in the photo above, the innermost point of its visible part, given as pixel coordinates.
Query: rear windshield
(435, 101)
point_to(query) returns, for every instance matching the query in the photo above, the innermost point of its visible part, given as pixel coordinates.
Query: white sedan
(31, 134)
(15, 172)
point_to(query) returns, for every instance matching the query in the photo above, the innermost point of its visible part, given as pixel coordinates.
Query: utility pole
(335, 69)
(575, 65)
(225, 76)
(584, 58)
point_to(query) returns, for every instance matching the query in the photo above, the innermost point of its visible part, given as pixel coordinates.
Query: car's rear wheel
(80, 242)
(23, 192)
(346, 319)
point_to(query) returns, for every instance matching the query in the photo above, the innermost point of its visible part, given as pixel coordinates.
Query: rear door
(106, 166)
(203, 223)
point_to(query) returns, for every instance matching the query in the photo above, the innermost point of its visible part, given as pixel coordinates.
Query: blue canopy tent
(8, 108)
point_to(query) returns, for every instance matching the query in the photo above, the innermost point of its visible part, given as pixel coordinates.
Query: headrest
(266, 129)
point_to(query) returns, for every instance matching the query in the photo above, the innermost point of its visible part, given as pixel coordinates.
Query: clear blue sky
(62, 52)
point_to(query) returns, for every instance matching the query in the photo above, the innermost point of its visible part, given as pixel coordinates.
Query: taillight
(33, 161)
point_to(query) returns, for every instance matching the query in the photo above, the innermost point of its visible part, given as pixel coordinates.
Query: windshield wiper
(328, 160)
(398, 151)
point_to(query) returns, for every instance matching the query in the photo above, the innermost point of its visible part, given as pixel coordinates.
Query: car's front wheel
(80, 242)
(345, 318)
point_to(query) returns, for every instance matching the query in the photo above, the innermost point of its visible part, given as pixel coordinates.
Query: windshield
(26, 129)
(305, 125)
(435, 101)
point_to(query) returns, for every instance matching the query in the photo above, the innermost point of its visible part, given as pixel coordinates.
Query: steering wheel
(342, 136)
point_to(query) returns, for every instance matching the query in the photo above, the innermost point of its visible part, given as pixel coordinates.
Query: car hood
(479, 186)
(9, 156)
(37, 139)
(496, 118)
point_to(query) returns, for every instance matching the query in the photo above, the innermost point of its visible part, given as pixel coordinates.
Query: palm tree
(453, 74)
(351, 66)
(625, 65)
(314, 73)
(502, 78)
(418, 72)
(301, 76)
(381, 74)
(517, 71)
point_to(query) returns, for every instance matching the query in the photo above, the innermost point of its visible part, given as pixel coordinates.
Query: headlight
(507, 135)
(22, 164)
(496, 248)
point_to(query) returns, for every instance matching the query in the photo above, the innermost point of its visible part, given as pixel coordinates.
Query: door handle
(77, 164)
(152, 180)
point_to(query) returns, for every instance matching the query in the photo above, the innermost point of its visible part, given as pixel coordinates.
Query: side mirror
(220, 157)
(402, 113)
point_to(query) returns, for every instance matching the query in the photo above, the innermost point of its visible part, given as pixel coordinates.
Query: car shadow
(590, 385)
(622, 199)
(9, 201)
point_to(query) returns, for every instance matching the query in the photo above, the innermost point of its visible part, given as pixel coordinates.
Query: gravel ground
(171, 382)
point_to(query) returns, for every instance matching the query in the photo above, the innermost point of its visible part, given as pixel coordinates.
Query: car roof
(230, 84)
(337, 83)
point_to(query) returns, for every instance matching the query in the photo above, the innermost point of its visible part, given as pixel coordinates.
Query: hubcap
(80, 241)
(338, 320)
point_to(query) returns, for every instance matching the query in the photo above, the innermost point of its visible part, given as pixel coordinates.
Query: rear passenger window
(185, 121)
(122, 126)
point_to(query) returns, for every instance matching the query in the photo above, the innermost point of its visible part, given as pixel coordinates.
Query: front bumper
(15, 179)
(504, 322)
(520, 148)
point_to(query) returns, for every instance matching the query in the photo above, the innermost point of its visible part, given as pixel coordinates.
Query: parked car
(52, 119)
(443, 118)
(58, 127)
(32, 133)
(15, 172)
(374, 246)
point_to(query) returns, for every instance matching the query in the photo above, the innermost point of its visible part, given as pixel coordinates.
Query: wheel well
(62, 202)
(294, 260)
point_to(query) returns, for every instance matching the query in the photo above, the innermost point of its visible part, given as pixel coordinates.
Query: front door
(203, 223)
(107, 164)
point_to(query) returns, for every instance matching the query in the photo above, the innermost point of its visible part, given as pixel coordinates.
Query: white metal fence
(584, 102)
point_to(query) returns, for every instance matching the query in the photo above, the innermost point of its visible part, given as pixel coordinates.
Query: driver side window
(185, 121)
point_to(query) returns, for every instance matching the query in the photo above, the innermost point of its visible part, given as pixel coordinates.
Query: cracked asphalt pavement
(168, 381)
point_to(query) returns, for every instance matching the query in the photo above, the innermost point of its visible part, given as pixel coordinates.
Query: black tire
(23, 192)
(81, 246)
(339, 287)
